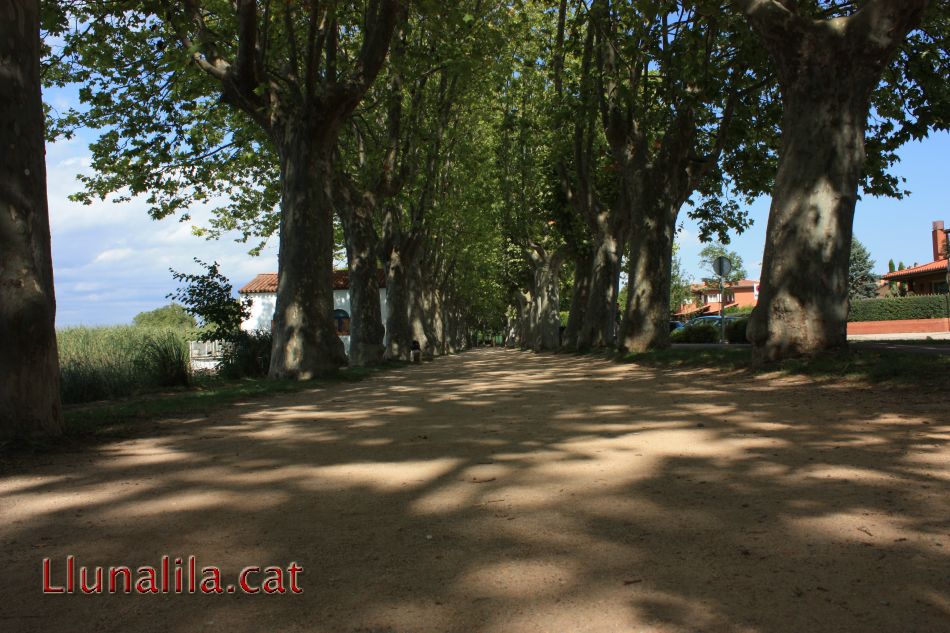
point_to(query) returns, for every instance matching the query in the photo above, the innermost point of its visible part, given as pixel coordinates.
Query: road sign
(722, 266)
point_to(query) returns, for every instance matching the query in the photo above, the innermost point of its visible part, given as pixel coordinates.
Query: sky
(111, 261)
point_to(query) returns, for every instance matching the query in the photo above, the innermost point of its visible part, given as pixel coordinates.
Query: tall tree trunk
(647, 313)
(417, 313)
(600, 318)
(306, 344)
(366, 321)
(579, 296)
(827, 76)
(546, 300)
(398, 341)
(29, 365)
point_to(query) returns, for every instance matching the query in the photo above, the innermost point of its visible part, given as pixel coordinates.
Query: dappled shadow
(503, 491)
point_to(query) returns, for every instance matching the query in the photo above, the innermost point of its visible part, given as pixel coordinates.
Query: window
(342, 319)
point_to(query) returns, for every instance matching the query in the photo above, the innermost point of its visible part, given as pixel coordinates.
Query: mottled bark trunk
(647, 313)
(29, 366)
(599, 329)
(398, 340)
(827, 71)
(306, 344)
(580, 294)
(419, 313)
(366, 321)
(546, 300)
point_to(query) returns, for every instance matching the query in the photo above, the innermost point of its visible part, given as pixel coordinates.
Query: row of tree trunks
(29, 365)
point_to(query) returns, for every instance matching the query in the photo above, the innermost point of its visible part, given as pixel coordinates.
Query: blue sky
(890, 229)
(111, 260)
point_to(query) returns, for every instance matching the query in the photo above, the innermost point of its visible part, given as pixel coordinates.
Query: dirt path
(505, 492)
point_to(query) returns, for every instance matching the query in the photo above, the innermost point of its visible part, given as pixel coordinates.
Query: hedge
(899, 308)
(700, 333)
(736, 331)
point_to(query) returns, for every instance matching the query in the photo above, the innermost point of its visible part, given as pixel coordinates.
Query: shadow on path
(503, 491)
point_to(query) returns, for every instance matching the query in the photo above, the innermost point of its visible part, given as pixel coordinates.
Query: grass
(208, 394)
(872, 365)
(113, 362)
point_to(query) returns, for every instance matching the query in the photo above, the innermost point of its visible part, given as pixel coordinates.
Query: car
(676, 325)
(710, 320)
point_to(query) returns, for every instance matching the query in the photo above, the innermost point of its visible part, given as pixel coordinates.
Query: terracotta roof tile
(266, 283)
(932, 267)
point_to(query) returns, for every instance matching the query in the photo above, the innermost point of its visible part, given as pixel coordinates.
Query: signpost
(722, 267)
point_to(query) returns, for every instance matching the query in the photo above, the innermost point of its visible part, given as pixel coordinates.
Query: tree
(29, 365)
(170, 316)
(830, 58)
(210, 298)
(862, 282)
(711, 253)
(291, 76)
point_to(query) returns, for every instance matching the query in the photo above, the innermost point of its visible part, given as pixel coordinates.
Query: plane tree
(244, 99)
(857, 80)
(30, 404)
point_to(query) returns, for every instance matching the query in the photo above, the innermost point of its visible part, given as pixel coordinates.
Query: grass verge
(120, 416)
(865, 364)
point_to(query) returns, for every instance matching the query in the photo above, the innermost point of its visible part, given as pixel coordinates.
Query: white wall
(263, 306)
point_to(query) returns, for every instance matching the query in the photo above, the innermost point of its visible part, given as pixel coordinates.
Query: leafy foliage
(862, 282)
(699, 333)
(170, 316)
(712, 252)
(736, 331)
(246, 356)
(210, 298)
(900, 308)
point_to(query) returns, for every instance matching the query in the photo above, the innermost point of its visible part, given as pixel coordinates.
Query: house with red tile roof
(928, 279)
(708, 300)
(262, 293)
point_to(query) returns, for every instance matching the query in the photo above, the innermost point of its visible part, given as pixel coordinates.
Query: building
(262, 292)
(708, 300)
(927, 279)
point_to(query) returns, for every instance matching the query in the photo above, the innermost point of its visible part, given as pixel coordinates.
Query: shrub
(210, 297)
(736, 331)
(165, 360)
(247, 355)
(700, 333)
(899, 308)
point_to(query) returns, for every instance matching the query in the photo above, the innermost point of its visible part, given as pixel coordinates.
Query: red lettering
(126, 574)
(293, 570)
(245, 586)
(47, 586)
(274, 584)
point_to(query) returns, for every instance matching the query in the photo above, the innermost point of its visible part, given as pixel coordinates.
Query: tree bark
(599, 329)
(646, 318)
(306, 344)
(579, 295)
(398, 340)
(827, 71)
(29, 364)
(366, 320)
(546, 300)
